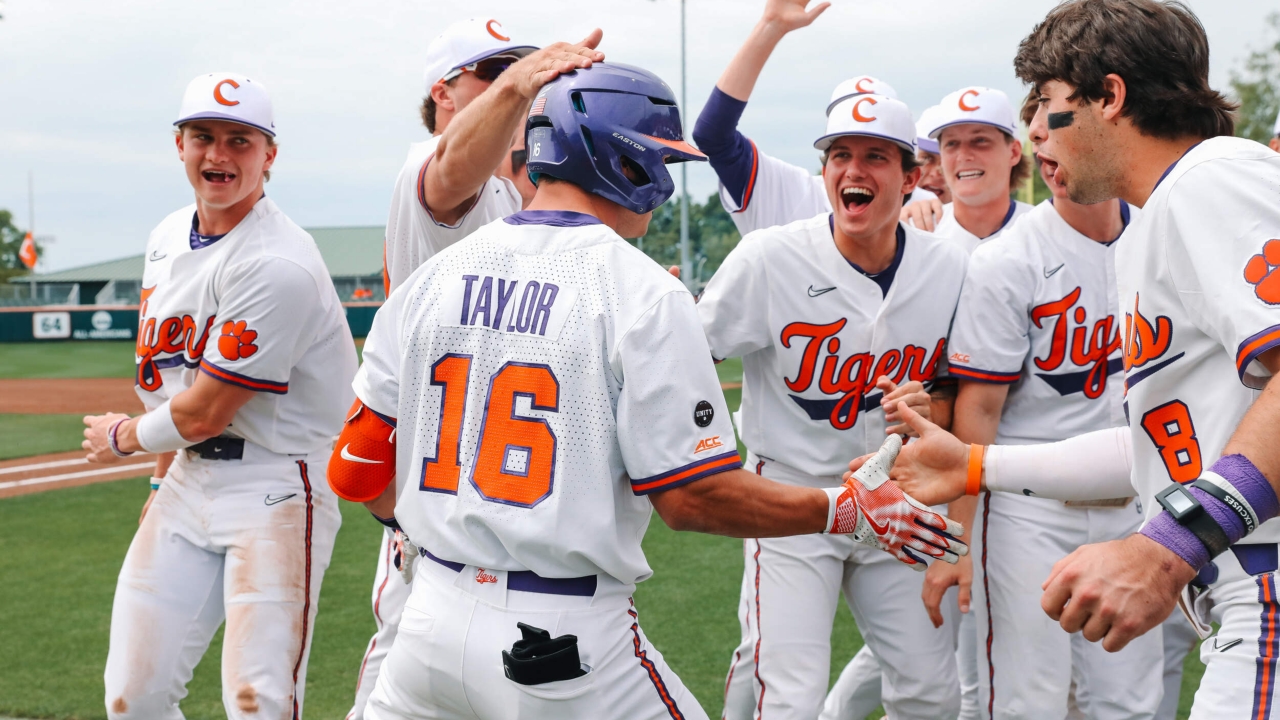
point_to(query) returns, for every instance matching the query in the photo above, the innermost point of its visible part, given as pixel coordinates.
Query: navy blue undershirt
(884, 278)
(730, 153)
(554, 218)
(201, 241)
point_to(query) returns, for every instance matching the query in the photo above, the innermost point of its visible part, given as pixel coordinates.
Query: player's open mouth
(1051, 168)
(969, 174)
(856, 198)
(217, 177)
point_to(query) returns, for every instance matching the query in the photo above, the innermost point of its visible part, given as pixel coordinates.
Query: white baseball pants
(1239, 680)
(1026, 662)
(390, 592)
(790, 587)
(246, 540)
(447, 658)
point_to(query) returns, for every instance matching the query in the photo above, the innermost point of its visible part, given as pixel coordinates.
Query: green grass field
(55, 601)
(66, 359)
(23, 435)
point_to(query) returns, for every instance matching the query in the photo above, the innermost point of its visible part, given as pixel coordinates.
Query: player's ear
(1115, 91)
(442, 97)
(910, 180)
(177, 141)
(1015, 147)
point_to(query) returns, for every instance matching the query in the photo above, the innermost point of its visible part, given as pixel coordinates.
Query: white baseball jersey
(948, 227)
(814, 333)
(253, 308)
(414, 235)
(546, 376)
(1201, 300)
(1038, 313)
(779, 193)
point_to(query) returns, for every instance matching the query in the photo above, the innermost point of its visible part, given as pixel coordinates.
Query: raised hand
(536, 69)
(788, 15)
(932, 469)
(876, 512)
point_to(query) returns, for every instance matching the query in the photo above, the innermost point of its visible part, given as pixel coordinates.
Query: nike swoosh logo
(880, 530)
(1050, 273)
(819, 291)
(356, 458)
(157, 255)
(276, 500)
(1227, 646)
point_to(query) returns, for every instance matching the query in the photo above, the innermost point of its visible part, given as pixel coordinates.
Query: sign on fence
(51, 325)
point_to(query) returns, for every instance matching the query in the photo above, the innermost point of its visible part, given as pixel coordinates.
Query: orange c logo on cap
(217, 92)
(489, 26)
(858, 85)
(966, 106)
(857, 110)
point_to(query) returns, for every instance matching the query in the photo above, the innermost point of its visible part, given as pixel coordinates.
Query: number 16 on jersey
(515, 456)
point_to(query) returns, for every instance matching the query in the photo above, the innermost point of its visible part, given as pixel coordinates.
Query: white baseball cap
(228, 96)
(975, 104)
(870, 116)
(860, 85)
(925, 125)
(466, 42)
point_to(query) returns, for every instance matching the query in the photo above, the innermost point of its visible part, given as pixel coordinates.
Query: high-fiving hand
(932, 469)
(876, 512)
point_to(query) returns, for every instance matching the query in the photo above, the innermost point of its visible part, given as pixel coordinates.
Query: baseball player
(931, 176)
(1036, 349)
(479, 85)
(830, 329)
(545, 387)
(1201, 328)
(243, 356)
(759, 190)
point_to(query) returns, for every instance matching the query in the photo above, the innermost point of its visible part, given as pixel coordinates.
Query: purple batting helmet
(610, 129)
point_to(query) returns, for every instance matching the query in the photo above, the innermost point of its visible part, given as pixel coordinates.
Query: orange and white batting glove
(877, 513)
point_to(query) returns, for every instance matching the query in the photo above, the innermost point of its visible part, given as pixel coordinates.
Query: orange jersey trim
(687, 474)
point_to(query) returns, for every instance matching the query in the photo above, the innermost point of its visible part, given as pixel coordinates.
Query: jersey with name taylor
(413, 234)
(545, 376)
(1200, 293)
(1038, 313)
(256, 309)
(814, 333)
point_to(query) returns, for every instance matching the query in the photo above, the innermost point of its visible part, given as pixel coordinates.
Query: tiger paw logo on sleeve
(236, 341)
(1260, 272)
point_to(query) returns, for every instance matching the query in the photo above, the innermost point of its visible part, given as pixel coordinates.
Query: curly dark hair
(1158, 48)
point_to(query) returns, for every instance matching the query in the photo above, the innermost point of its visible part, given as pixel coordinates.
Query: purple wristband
(1181, 541)
(1249, 481)
(111, 440)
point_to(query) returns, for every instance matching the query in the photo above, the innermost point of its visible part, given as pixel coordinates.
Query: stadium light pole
(686, 271)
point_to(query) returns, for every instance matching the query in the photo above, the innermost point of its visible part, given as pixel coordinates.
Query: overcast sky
(89, 88)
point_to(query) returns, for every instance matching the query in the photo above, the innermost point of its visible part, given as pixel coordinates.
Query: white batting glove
(407, 553)
(876, 512)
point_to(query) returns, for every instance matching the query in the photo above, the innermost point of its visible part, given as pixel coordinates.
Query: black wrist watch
(1178, 501)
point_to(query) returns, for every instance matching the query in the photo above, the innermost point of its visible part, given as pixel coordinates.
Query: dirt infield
(92, 396)
(64, 470)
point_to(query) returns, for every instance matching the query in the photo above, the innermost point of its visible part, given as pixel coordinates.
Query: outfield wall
(115, 322)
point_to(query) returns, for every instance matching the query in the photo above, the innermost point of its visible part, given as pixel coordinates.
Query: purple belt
(528, 581)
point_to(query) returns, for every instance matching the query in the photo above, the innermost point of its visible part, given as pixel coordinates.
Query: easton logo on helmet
(629, 141)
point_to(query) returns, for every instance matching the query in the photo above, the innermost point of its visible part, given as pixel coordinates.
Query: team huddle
(1066, 404)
